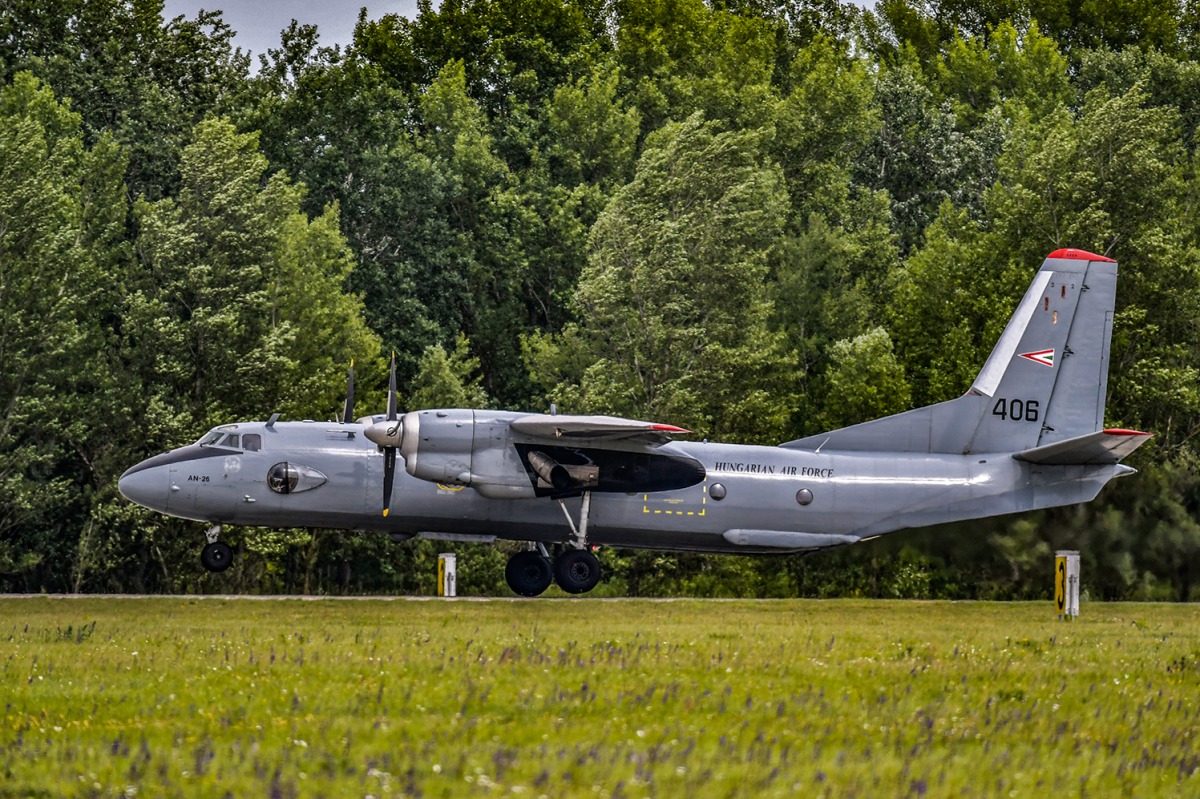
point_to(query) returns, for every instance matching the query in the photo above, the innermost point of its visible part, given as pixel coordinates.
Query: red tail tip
(1072, 254)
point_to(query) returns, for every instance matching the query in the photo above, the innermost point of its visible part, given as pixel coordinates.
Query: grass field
(208, 697)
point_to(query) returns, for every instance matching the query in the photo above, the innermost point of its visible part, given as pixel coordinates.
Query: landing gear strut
(576, 569)
(216, 555)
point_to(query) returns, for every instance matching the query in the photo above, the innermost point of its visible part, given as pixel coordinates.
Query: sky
(259, 22)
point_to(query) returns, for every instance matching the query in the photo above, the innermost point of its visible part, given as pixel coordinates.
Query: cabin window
(252, 442)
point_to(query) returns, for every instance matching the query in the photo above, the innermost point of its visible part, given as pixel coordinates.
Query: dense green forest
(757, 219)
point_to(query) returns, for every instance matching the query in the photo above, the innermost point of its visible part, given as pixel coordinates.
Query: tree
(593, 136)
(921, 158)
(448, 380)
(1003, 67)
(237, 309)
(336, 125)
(865, 381)
(671, 304)
(926, 28)
(822, 127)
(63, 211)
(128, 74)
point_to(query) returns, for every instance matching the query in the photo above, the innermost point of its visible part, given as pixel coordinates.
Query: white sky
(258, 22)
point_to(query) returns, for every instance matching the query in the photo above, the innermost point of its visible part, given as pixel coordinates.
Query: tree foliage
(673, 316)
(755, 220)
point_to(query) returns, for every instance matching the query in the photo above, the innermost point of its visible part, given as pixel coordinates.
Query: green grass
(206, 698)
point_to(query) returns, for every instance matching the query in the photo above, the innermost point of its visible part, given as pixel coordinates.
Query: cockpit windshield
(221, 436)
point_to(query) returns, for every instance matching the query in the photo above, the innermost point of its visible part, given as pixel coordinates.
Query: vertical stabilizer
(1044, 382)
(1048, 374)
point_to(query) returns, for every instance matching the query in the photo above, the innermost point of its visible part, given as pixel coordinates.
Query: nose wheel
(216, 556)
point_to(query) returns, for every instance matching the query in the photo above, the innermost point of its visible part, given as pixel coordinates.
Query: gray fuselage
(751, 499)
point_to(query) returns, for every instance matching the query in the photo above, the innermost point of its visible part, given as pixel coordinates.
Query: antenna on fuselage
(348, 408)
(274, 418)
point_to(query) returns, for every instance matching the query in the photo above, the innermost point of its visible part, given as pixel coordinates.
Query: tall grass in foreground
(210, 698)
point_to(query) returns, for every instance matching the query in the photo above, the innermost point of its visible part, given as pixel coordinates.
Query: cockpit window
(251, 442)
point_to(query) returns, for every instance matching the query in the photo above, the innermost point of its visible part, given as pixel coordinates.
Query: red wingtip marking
(1120, 431)
(667, 428)
(1079, 255)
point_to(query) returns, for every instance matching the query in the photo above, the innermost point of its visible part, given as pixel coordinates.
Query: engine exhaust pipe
(550, 470)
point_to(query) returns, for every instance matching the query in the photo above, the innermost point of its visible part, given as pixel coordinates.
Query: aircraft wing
(1101, 447)
(594, 428)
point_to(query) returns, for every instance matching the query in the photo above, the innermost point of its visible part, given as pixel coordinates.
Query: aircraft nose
(146, 485)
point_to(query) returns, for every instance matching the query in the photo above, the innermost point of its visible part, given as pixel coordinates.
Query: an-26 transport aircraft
(1028, 434)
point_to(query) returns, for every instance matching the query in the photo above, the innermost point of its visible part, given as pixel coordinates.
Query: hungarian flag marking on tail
(1044, 357)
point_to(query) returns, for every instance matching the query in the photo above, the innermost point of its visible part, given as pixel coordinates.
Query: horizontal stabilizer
(544, 425)
(1101, 447)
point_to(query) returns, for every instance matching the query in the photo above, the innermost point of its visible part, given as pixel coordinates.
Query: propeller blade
(348, 411)
(389, 475)
(391, 401)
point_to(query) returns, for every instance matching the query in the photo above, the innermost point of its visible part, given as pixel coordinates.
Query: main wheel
(216, 556)
(528, 573)
(576, 571)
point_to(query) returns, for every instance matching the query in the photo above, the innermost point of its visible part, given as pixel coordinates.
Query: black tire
(576, 571)
(528, 573)
(216, 556)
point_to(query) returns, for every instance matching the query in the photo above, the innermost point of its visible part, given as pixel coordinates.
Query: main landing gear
(530, 573)
(575, 569)
(216, 555)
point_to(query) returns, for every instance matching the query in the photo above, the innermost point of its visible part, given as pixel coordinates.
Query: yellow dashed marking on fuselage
(646, 502)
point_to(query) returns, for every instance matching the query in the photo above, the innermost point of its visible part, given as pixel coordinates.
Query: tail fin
(1044, 382)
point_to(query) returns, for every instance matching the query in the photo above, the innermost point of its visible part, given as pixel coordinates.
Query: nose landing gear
(216, 555)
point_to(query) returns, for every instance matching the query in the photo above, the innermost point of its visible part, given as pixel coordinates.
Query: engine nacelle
(438, 446)
(479, 449)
